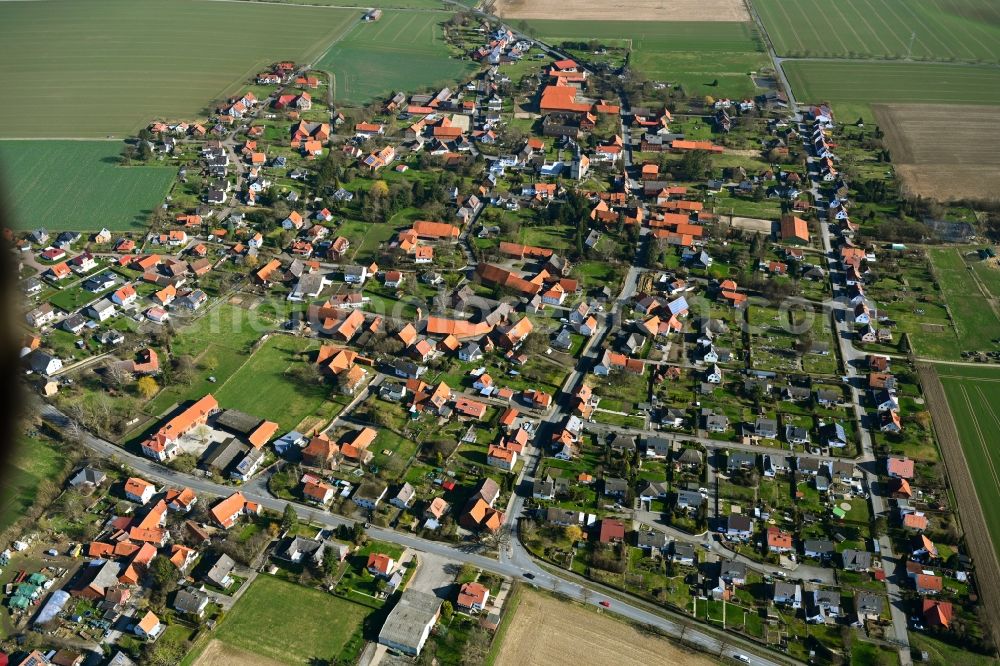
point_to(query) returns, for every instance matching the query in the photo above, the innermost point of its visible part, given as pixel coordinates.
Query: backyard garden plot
(695, 54)
(79, 185)
(401, 51)
(907, 292)
(862, 83)
(958, 30)
(940, 151)
(108, 67)
(276, 606)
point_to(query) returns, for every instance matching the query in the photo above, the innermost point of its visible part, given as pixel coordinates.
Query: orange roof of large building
(225, 511)
(459, 328)
(469, 407)
(182, 498)
(915, 521)
(684, 144)
(505, 278)
(136, 486)
(153, 517)
(179, 555)
(316, 490)
(408, 334)
(364, 438)
(928, 582)
(437, 507)
(182, 423)
(125, 549)
(472, 594)
(262, 434)
(156, 535)
(522, 251)
(901, 467)
(561, 98)
(435, 229)
(778, 539)
(349, 326)
(149, 622)
(937, 613)
(794, 228)
(379, 562)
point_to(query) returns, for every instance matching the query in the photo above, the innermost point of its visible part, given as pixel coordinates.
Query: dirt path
(972, 519)
(219, 654)
(550, 632)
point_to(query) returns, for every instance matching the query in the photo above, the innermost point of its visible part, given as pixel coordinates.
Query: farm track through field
(972, 519)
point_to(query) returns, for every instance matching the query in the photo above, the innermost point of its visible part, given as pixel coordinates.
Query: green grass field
(264, 387)
(975, 324)
(692, 54)
(918, 83)
(386, 4)
(974, 399)
(78, 185)
(219, 342)
(292, 624)
(108, 67)
(35, 459)
(956, 30)
(402, 51)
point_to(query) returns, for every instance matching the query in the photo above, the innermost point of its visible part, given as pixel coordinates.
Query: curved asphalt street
(515, 565)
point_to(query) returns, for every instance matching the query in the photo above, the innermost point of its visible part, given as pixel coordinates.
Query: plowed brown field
(943, 151)
(548, 632)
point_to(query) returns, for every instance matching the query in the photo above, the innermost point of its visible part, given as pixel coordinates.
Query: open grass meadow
(108, 67)
(219, 343)
(857, 83)
(79, 185)
(403, 50)
(34, 460)
(264, 386)
(974, 400)
(693, 54)
(956, 30)
(974, 323)
(293, 624)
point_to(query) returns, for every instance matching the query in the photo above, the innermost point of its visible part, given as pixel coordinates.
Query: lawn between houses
(111, 66)
(294, 624)
(264, 386)
(404, 50)
(79, 185)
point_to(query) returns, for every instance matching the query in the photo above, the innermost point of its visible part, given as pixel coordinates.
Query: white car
(742, 657)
